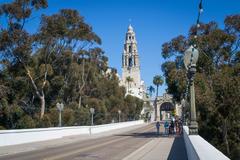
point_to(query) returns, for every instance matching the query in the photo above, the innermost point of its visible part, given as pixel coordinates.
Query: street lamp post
(60, 107)
(190, 60)
(183, 103)
(119, 115)
(92, 112)
(155, 109)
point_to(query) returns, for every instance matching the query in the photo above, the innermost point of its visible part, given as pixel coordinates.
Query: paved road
(114, 147)
(111, 147)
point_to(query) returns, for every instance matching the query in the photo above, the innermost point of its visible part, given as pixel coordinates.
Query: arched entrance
(163, 104)
(166, 108)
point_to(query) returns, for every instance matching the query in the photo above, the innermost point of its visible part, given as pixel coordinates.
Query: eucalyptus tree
(17, 44)
(217, 80)
(65, 33)
(68, 33)
(58, 33)
(60, 62)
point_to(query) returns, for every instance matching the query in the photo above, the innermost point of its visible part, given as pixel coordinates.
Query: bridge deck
(138, 143)
(160, 148)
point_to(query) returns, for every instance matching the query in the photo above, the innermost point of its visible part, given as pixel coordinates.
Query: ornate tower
(130, 64)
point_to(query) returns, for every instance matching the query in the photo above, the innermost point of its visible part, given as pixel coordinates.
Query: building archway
(163, 104)
(165, 110)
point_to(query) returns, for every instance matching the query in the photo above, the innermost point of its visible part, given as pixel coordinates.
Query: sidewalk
(161, 148)
(13, 149)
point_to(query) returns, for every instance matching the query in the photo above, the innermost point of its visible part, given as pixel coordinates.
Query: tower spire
(130, 28)
(131, 66)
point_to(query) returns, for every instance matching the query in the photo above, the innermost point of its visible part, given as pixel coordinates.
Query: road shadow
(146, 135)
(178, 150)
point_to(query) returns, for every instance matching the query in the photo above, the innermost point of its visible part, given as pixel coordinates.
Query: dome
(130, 28)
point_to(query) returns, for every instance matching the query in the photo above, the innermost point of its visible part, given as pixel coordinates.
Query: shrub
(26, 122)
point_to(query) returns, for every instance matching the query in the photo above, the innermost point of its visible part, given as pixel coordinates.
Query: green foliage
(26, 122)
(158, 81)
(44, 122)
(217, 81)
(2, 128)
(54, 116)
(68, 117)
(82, 116)
(150, 90)
(133, 107)
(61, 62)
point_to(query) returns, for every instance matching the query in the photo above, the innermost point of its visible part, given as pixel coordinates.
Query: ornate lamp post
(183, 103)
(155, 109)
(92, 111)
(60, 107)
(119, 115)
(190, 60)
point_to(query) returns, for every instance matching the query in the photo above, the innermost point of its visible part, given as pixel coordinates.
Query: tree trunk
(225, 136)
(79, 102)
(157, 92)
(41, 95)
(42, 100)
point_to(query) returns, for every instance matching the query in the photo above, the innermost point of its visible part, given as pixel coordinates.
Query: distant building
(131, 78)
(164, 106)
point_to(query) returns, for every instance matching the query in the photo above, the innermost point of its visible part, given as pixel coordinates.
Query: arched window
(130, 62)
(130, 48)
(134, 60)
(126, 61)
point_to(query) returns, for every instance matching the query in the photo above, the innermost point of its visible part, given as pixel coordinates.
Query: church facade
(131, 77)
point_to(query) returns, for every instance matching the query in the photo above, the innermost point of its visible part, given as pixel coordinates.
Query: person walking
(180, 127)
(171, 128)
(158, 126)
(177, 126)
(166, 125)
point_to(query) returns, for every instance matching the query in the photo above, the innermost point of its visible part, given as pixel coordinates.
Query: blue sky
(154, 21)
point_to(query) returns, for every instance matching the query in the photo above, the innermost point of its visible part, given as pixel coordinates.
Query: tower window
(134, 60)
(130, 62)
(130, 48)
(129, 37)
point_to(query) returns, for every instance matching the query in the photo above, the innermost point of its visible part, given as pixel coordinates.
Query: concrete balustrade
(20, 136)
(199, 149)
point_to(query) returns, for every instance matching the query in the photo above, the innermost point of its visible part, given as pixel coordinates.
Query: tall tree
(17, 44)
(216, 82)
(158, 81)
(60, 62)
(151, 90)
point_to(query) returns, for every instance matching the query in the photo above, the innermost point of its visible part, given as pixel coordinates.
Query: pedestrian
(180, 126)
(166, 125)
(177, 126)
(171, 127)
(158, 126)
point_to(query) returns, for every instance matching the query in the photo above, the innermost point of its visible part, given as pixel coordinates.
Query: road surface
(114, 147)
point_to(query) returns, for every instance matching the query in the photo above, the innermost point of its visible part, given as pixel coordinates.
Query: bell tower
(130, 64)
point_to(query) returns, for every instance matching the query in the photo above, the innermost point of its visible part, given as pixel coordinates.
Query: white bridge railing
(199, 149)
(20, 136)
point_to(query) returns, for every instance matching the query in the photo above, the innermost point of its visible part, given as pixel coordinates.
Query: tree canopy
(217, 81)
(158, 81)
(61, 62)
